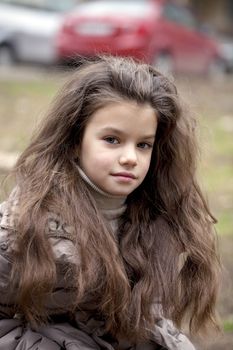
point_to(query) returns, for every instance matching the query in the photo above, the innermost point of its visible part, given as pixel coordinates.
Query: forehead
(125, 116)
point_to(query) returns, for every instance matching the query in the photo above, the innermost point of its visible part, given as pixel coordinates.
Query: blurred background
(190, 40)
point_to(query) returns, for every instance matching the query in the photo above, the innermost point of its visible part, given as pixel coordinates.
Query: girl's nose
(128, 157)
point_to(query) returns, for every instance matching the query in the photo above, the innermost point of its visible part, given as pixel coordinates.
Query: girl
(106, 241)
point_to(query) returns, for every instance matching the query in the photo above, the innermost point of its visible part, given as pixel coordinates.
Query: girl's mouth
(125, 175)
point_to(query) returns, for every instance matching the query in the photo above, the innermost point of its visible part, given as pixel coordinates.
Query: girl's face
(117, 144)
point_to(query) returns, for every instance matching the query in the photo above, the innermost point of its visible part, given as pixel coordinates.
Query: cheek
(103, 160)
(144, 169)
(146, 164)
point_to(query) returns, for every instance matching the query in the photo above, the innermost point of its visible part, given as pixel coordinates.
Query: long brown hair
(166, 215)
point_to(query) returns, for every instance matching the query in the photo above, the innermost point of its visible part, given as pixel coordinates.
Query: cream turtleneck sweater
(112, 207)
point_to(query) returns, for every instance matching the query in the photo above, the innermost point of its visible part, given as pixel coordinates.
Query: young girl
(106, 241)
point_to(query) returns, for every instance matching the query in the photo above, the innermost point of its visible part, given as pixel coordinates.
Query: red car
(156, 31)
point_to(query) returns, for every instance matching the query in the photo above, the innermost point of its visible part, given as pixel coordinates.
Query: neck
(105, 200)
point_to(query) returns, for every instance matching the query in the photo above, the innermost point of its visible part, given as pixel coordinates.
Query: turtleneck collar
(110, 205)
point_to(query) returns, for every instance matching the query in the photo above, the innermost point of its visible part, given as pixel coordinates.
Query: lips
(125, 174)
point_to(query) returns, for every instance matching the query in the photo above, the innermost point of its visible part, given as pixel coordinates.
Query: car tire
(7, 57)
(164, 63)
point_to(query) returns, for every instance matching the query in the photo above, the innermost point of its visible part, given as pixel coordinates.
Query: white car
(226, 47)
(28, 28)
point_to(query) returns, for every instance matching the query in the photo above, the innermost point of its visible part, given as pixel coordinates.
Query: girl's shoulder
(6, 228)
(57, 231)
(163, 228)
(8, 208)
(9, 214)
(167, 242)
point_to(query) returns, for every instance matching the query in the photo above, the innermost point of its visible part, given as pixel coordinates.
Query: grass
(213, 104)
(228, 326)
(217, 171)
(23, 102)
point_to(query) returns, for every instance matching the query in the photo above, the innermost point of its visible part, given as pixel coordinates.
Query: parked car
(6, 54)
(27, 29)
(226, 47)
(156, 31)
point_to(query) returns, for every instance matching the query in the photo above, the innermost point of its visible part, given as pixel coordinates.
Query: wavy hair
(166, 216)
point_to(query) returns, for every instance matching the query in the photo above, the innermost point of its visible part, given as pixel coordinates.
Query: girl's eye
(144, 145)
(111, 139)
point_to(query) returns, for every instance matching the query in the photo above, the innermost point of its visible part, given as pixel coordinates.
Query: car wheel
(164, 63)
(6, 56)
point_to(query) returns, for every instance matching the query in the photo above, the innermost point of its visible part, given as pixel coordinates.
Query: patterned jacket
(86, 332)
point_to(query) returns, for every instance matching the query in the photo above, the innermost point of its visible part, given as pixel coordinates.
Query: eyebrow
(120, 132)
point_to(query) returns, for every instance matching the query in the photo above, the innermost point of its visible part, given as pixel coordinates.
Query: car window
(47, 5)
(134, 8)
(179, 15)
